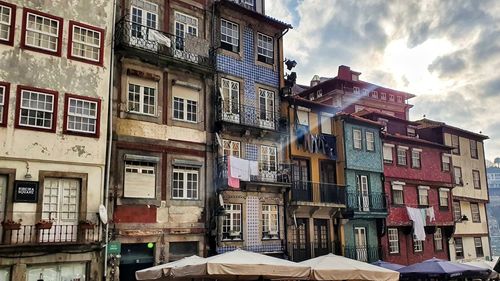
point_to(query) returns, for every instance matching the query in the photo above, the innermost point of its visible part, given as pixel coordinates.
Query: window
(37, 108)
(391, 97)
(184, 24)
(268, 158)
(383, 96)
(270, 222)
(4, 103)
(459, 248)
(457, 212)
(370, 141)
(86, 43)
(185, 105)
(57, 272)
(399, 99)
(446, 162)
(41, 32)
(144, 16)
(179, 250)
(142, 97)
(266, 108)
(357, 138)
(140, 178)
(319, 93)
(7, 23)
(5, 273)
(231, 148)
(365, 93)
(438, 240)
(411, 132)
(455, 143)
(478, 244)
(326, 123)
(375, 94)
(185, 183)
(415, 158)
(388, 153)
(393, 235)
(265, 49)
(82, 115)
(402, 155)
(476, 178)
(355, 90)
(473, 149)
(444, 195)
(230, 36)
(458, 176)
(231, 99)
(423, 196)
(231, 225)
(418, 245)
(397, 194)
(474, 209)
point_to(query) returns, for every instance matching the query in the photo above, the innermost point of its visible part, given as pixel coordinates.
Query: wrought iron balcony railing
(234, 112)
(302, 251)
(273, 172)
(190, 49)
(55, 228)
(362, 253)
(369, 202)
(329, 193)
(275, 247)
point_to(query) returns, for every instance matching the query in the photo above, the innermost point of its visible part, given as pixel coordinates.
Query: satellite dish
(103, 214)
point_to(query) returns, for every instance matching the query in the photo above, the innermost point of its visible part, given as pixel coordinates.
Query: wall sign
(26, 191)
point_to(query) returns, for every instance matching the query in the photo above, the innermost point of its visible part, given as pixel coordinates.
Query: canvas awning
(240, 264)
(163, 270)
(333, 267)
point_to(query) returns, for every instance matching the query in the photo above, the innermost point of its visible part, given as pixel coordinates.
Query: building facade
(470, 195)
(316, 200)
(360, 158)
(161, 153)
(248, 207)
(54, 85)
(414, 177)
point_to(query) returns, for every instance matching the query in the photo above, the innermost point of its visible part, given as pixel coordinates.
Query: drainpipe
(109, 136)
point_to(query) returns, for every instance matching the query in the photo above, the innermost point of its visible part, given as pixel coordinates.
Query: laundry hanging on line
(419, 217)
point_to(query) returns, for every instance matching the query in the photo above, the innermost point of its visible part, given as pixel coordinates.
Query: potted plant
(86, 224)
(44, 224)
(11, 225)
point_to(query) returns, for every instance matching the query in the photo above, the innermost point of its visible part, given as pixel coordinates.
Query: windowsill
(141, 114)
(186, 121)
(185, 199)
(388, 163)
(402, 165)
(81, 134)
(47, 130)
(232, 240)
(423, 206)
(232, 54)
(395, 254)
(56, 53)
(399, 205)
(443, 208)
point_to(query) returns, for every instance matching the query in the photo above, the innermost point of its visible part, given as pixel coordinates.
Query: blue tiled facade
(248, 70)
(363, 159)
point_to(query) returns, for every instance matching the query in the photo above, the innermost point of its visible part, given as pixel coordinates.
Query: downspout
(109, 136)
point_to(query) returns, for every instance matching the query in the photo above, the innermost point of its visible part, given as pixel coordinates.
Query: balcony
(302, 251)
(362, 253)
(269, 173)
(162, 47)
(276, 248)
(329, 193)
(57, 229)
(247, 4)
(236, 113)
(366, 203)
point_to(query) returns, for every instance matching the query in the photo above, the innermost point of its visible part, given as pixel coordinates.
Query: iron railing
(237, 113)
(370, 202)
(189, 49)
(273, 172)
(329, 193)
(53, 228)
(302, 251)
(362, 253)
(276, 247)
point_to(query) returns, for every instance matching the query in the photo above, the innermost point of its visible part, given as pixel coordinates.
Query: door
(61, 203)
(328, 178)
(3, 196)
(231, 100)
(301, 190)
(300, 246)
(266, 109)
(363, 193)
(321, 241)
(268, 163)
(360, 240)
(142, 22)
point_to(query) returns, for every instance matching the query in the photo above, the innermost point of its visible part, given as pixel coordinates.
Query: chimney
(344, 73)
(315, 80)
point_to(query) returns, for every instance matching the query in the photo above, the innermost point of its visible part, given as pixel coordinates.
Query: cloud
(448, 66)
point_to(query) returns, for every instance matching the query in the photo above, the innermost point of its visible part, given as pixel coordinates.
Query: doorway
(321, 242)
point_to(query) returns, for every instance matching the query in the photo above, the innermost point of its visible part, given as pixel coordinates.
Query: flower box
(11, 225)
(85, 225)
(44, 225)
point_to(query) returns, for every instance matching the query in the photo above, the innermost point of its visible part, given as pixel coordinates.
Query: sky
(446, 52)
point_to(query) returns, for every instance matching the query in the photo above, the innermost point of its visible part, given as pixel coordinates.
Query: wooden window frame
(102, 32)
(478, 220)
(55, 99)
(354, 139)
(435, 240)
(389, 241)
(12, 24)
(60, 21)
(6, 95)
(66, 116)
(372, 142)
(461, 183)
(455, 150)
(398, 148)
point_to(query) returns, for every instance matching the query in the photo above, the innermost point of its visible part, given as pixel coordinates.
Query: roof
(428, 123)
(261, 17)
(359, 119)
(305, 102)
(416, 140)
(366, 112)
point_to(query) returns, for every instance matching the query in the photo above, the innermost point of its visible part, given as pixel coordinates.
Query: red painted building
(348, 92)
(415, 176)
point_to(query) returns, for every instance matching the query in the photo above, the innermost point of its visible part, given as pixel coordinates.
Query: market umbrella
(388, 265)
(486, 265)
(333, 267)
(240, 264)
(163, 270)
(437, 268)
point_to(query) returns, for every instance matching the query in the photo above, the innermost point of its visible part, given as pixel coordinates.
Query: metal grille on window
(5, 19)
(82, 115)
(36, 109)
(42, 32)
